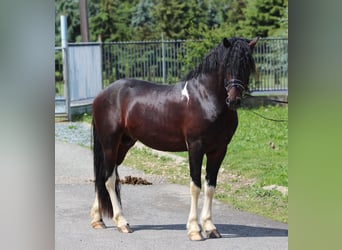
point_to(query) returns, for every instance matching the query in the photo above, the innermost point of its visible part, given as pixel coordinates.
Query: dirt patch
(135, 181)
(234, 181)
(281, 189)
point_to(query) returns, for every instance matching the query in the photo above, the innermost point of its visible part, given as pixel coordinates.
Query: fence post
(163, 59)
(64, 38)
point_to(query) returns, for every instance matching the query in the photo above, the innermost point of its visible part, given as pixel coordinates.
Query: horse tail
(101, 175)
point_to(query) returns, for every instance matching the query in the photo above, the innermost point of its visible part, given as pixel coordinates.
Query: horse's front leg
(194, 231)
(195, 162)
(214, 161)
(208, 226)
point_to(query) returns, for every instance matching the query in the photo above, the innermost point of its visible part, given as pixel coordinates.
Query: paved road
(157, 213)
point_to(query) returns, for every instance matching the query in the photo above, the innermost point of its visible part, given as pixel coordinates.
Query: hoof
(125, 229)
(98, 224)
(213, 234)
(195, 236)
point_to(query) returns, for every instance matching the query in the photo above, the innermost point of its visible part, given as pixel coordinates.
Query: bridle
(234, 83)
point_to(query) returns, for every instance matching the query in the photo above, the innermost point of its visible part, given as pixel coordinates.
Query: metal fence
(157, 61)
(271, 57)
(166, 62)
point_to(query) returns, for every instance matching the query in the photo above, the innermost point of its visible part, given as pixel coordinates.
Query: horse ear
(226, 43)
(253, 42)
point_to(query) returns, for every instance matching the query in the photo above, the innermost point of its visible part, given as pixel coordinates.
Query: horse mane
(223, 56)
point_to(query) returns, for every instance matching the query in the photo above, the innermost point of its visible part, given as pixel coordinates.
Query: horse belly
(164, 136)
(161, 140)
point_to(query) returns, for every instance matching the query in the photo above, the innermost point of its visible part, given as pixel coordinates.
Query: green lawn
(257, 157)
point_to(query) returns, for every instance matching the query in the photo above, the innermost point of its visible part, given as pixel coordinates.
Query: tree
(213, 15)
(112, 21)
(284, 23)
(198, 13)
(263, 17)
(118, 20)
(175, 18)
(169, 18)
(142, 14)
(143, 20)
(210, 38)
(235, 11)
(124, 28)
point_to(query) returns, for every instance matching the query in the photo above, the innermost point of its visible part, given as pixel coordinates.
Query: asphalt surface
(157, 213)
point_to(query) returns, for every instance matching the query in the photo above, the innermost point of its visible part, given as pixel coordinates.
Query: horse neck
(213, 83)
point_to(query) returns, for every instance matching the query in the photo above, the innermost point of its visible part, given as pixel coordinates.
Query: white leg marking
(187, 144)
(206, 218)
(95, 214)
(192, 224)
(185, 91)
(118, 217)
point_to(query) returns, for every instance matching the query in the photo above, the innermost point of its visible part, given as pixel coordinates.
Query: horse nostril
(238, 101)
(227, 101)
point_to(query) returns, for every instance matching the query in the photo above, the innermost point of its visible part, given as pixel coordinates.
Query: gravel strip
(74, 132)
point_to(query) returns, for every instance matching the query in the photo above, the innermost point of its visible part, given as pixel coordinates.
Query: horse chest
(219, 126)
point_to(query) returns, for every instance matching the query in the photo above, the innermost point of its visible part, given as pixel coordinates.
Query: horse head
(239, 65)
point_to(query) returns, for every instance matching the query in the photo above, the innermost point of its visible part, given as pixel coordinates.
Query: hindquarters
(110, 145)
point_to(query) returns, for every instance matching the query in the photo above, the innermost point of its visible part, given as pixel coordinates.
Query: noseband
(234, 83)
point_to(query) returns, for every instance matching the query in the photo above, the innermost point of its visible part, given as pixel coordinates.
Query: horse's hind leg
(107, 201)
(113, 184)
(126, 143)
(113, 188)
(96, 215)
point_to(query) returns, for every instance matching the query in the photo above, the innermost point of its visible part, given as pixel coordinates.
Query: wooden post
(84, 20)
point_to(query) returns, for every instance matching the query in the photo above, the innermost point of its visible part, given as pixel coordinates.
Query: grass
(59, 87)
(257, 156)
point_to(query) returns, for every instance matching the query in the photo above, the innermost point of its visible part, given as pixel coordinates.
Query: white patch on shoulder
(185, 91)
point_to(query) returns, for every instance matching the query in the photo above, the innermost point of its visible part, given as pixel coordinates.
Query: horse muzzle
(234, 88)
(233, 104)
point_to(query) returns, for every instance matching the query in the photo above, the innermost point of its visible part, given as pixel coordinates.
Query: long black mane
(235, 58)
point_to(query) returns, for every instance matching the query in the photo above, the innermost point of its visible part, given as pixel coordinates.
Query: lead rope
(267, 118)
(272, 100)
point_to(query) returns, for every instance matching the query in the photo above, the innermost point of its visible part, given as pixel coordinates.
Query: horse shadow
(226, 230)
